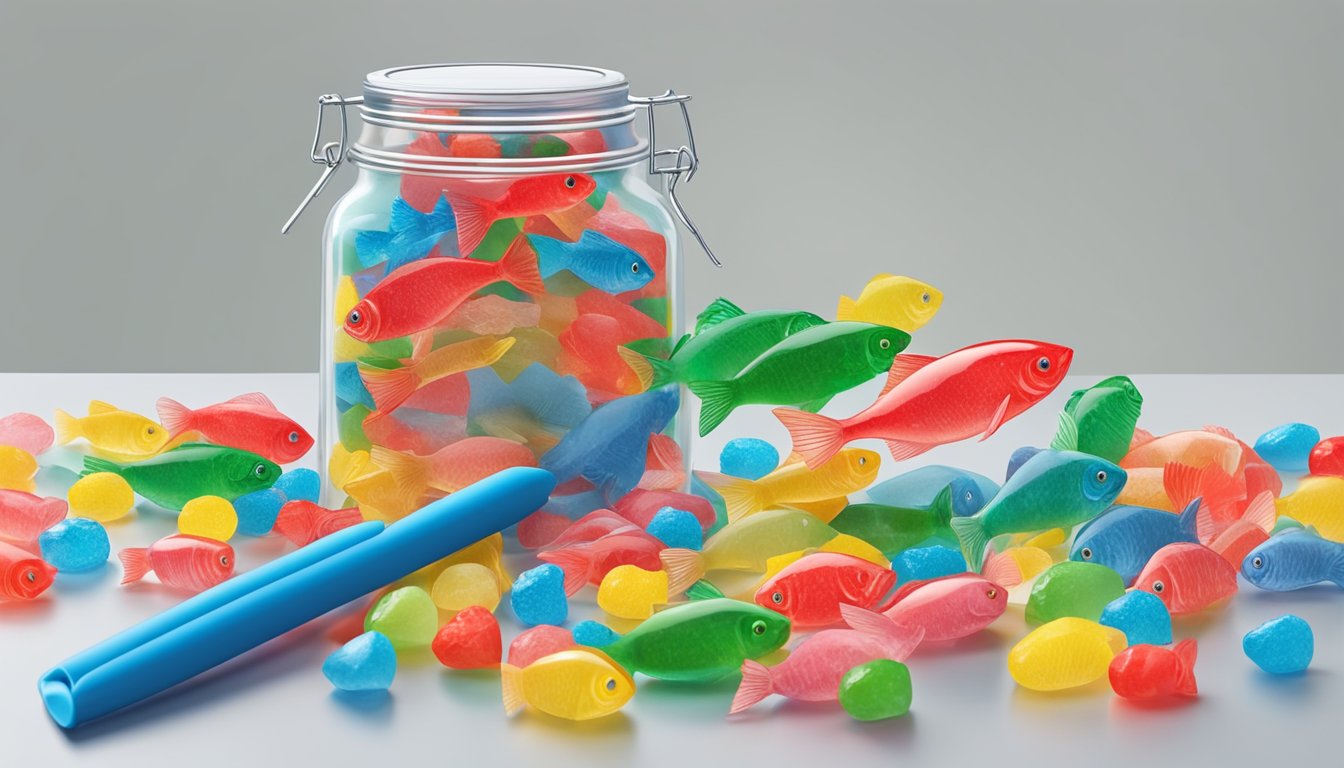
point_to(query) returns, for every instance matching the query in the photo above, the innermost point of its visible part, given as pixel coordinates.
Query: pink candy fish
(1236, 539)
(1188, 578)
(812, 672)
(188, 563)
(956, 606)
(23, 516)
(303, 522)
(589, 563)
(452, 468)
(811, 590)
(26, 431)
(591, 527)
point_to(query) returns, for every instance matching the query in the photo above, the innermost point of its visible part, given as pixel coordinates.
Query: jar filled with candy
(501, 285)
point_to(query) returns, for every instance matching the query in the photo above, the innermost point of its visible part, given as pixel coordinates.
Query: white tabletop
(274, 706)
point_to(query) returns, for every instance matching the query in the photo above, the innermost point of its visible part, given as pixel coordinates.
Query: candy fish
(249, 422)
(852, 470)
(806, 369)
(304, 522)
(640, 505)
(1294, 560)
(175, 477)
(700, 641)
(1236, 539)
(454, 467)
(462, 585)
(609, 447)
(17, 469)
(424, 293)
(1216, 457)
(956, 606)
(664, 469)
(578, 684)
(591, 527)
(641, 325)
(1318, 502)
(973, 391)
(1188, 578)
(550, 401)
(24, 516)
(187, 563)
(493, 315)
(1100, 420)
(410, 235)
(1327, 457)
(631, 592)
(811, 590)
(478, 204)
(1154, 672)
(588, 350)
(23, 576)
(1054, 489)
(812, 672)
(590, 562)
(746, 545)
(1065, 653)
(1123, 538)
(390, 388)
(596, 259)
(895, 529)
(892, 300)
(918, 488)
(26, 432)
(106, 428)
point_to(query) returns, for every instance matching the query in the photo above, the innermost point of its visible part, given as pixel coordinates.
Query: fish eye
(1086, 552)
(991, 593)
(149, 430)
(1101, 475)
(884, 343)
(1043, 364)
(926, 298)
(778, 597)
(31, 576)
(863, 460)
(611, 684)
(570, 182)
(1158, 587)
(1258, 562)
(634, 267)
(259, 470)
(293, 437)
(355, 317)
(970, 496)
(758, 627)
(224, 560)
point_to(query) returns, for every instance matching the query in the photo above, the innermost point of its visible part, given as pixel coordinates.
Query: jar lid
(468, 83)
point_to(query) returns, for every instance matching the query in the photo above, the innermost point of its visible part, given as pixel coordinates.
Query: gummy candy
(918, 488)
(391, 388)
(351, 429)
(956, 606)
(463, 585)
(552, 402)
(640, 506)
(896, 529)
(299, 484)
(748, 457)
(590, 562)
(596, 259)
(589, 351)
(1073, 589)
(924, 563)
(479, 203)
(1236, 539)
(101, 496)
(410, 235)
(1031, 561)
(578, 684)
(893, 300)
(1152, 672)
(746, 545)
(1100, 420)
(1319, 503)
(1287, 447)
(1327, 458)
(304, 522)
(209, 517)
(592, 527)
(24, 516)
(700, 641)
(853, 469)
(1198, 449)
(182, 562)
(877, 690)
(23, 576)
(665, 468)
(452, 468)
(257, 511)
(1124, 537)
(609, 448)
(471, 640)
(630, 592)
(350, 389)
(27, 432)
(175, 477)
(1141, 616)
(538, 596)
(537, 642)
(978, 388)
(407, 616)
(248, 422)
(17, 469)
(1064, 653)
(75, 544)
(366, 663)
(123, 434)
(811, 590)
(1293, 560)
(677, 528)
(594, 634)
(494, 315)
(1281, 646)
(1188, 578)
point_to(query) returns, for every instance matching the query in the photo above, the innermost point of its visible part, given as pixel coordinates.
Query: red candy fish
(639, 325)
(811, 590)
(304, 522)
(452, 468)
(957, 606)
(1327, 458)
(23, 516)
(478, 204)
(932, 401)
(640, 505)
(188, 563)
(23, 575)
(1188, 578)
(1154, 672)
(664, 469)
(591, 527)
(1236, 539)
(424, 293)
(250, 422)
(540, 528)
(588, 563)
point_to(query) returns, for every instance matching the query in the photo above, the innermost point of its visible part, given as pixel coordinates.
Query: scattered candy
(538, 596)
(590, 562)
(175, 477)
(101, 496)
(1327, 457)
(304, 522)
(877, 690)
(924, 563)
(1124, 538)
(1282, 646)
(699, 641)
(1142, 616)
(748, 458)
(1287, 447)
(208, 517)
(366, 663)
(1065, 653)
(1294, 560)
(407, 616)
(299, 485)
(463, 585)
(17, 469)
(27, 432)
(1318, 502)
(23, 516)
(23, 576)
(182, 562)
(895, 529)
(248, 422)
(538, 642)
(594, 633)
(1154, 672)
(893, 300)
(471, 640)
(1073, 589)
(811, 590)
(578, 684)
(125, 435)
(953, 607)
(746, 545)
(630, 592)
(1188, 578)
(75, 545)
(918, 488)
(257, 511)
(677, 528)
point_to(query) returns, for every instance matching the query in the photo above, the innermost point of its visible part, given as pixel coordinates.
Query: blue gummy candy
(1281, 646)
(350, 387)
(748, 457)
(75, 544)
(677, 528)
(367, 663)
(1142, 616)
(1286, 447)
(257, 511)
(538, 596)
(299, 484)
(593, 634)
(919, 563)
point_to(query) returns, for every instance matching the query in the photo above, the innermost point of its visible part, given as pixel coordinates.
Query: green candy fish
(726, 339)
(896, 529)
(806, 369)
(1100, 420)
(700, 641)
(187, 472)
(1073, 589)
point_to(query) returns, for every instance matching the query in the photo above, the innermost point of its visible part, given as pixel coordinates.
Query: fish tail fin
(576, 564)
(408, 471)
(134, 564)
(474, 218)
(1002, 569)
(67, 427)
(741, 497)
(716, 402)
(703, 590)
(550, 254)
(684, 567)
(1184, 483)
(942, 507)
(291, 523)
(389, 387)
(973, 537)
(93, 464)
(511, 683)
(1261, 512)
(404, 219)
(756, 685)
(652, 372)
(372, 247)
(815, 437)
(902, 640)
(498, 349)
(847, 310)
(519, 268)
(1066, 437)
(175, 417)
(1187, 650)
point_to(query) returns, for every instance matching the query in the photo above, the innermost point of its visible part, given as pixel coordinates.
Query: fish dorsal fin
(903, 367)
(1261, 512)
(1066, 439)
(98, 406)
(1140, 437)
(718, 310)
(1220, 431)
(998, 418)
(680, 343)
(254, 398)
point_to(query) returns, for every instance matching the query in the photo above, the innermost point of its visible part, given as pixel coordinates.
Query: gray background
(1158, 183)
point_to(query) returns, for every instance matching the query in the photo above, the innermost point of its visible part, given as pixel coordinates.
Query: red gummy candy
(538, 642)
(470, 641)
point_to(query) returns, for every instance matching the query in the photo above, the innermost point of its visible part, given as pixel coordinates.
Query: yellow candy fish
(101, 496)
(893, 300)
(122, 435)
(579, 684)
(630, 592)
(210, 517)
(1031, 561)
(17, 469)
(1318, 502)
(463, 585)
(1064, 653)
(852, 469)
(345, 465)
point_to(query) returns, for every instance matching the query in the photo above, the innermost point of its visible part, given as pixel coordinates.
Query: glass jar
(494, 281)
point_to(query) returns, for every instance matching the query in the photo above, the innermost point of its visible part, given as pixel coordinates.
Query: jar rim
(452, 82)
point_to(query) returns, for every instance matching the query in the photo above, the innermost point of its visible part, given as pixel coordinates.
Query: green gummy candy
(497, 240)
(877, 690)
(351, 427)
(550, 146)
(1073, 589)
(407, 616)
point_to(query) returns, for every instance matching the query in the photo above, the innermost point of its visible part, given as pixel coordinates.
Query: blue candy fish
(1020, 456)
(597, 259)
(610, 447)
(1286, 447)
(1123, 537)
(1293, 560)
(350, 387)
(918, 488)
(410, 235)
(544, 398)
(575, 505)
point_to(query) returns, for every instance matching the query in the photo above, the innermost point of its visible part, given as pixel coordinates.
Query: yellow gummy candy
(346, 298)
(101, 496)
(1051, 538)
(1030, 560)
(346, 465)
(630, 592)
(209, 517)
(463, 585)
(17, 469)
(1064, 653)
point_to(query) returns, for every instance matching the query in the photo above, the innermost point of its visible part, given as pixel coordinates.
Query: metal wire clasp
(684, 158)
(330, 154)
